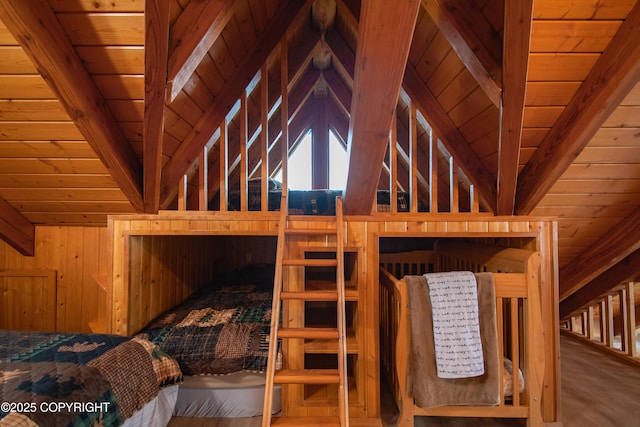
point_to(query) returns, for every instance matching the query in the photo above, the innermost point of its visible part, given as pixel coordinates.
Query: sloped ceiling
(105, 106)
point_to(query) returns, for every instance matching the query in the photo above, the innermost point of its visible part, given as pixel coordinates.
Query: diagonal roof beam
(624, 271)
(621, 241)
(192, 35)
(38, 31)
(612, 76)
(454, 141)
(517, 36)
(156, 15)
(384, 39)
(16, 230)
(429, 106)
(206, 126)
(481, 55)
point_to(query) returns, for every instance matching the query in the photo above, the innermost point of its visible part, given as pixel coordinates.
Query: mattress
(224, 396)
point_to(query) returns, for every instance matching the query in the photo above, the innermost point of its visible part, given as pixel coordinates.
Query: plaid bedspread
(58, 379)
(217, 331)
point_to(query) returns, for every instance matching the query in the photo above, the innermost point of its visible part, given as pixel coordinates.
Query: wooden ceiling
(105, 105)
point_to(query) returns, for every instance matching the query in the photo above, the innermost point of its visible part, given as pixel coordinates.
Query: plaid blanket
(217, 331)
(58, 379)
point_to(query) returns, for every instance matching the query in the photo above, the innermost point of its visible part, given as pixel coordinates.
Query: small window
(300, 164)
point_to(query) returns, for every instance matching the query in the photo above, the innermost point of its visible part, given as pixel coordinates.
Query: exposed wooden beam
(192, 35)
(16, 230)
(156, 15)
(37, 30)
(621, 241)
(624, 271)
(612, 76)
(450, 136)
(383, 49)
(338, 89)
(207, 124)
(458, 22)
(517, 36)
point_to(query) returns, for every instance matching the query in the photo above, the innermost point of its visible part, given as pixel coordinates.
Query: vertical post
(609, 313)
(224, 165)
(631, 320)
(284, 107)
(474, 202)
(393, 161)
(433, 171)
(182, 194)
(264, 141)
(603, 321)
(590, 324)
(453, 186)
(413, 157)
(624, 327)
(243, 152)
(203, 185)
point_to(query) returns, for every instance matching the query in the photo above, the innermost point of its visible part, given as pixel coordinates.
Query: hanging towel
(456, 329)
(427, 388)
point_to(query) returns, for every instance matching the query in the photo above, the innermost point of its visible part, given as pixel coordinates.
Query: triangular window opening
(300, 164)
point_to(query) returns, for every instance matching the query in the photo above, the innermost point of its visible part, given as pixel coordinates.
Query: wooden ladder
(338, 334)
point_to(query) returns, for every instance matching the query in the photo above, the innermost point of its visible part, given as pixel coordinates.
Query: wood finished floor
(597, 391)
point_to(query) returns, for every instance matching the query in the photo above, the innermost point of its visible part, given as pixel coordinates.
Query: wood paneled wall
(79, 257)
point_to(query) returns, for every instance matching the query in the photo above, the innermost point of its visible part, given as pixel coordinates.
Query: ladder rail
(343, 391)
(275, 318)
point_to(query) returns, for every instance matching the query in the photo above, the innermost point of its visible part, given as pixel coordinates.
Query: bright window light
(337, 163)
(300, 165)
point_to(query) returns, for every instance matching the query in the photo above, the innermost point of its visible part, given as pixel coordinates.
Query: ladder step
(307, 376)
(306, 421)
(309, 333)
(310, 262)
(310, 295)
(311, 231)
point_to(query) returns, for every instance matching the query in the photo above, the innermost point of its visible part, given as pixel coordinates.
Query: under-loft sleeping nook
(319, 212)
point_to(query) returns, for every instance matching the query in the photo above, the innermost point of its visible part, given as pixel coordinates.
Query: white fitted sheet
(224, 396)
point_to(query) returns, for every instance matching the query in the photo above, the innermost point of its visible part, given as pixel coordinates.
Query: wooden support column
(243, 152)
(590, 325)
(609, 333)
(264, 141)
(393, 163)
(381, 58)
(284, 113)
(603, 321)
(320, 145)
(224, 166)
(413, 157)
(631, 320)
(433, 171)
(454, 197)
(203, 186)
(623, 319)
(474, 200)
(182, 194)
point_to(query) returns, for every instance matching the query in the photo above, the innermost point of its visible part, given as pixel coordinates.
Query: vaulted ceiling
(106, 105)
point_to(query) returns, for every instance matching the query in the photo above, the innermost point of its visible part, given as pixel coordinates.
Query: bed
(517, 314)
(73, 379)
(220, 338)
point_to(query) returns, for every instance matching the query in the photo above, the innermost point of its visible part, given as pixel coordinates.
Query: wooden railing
(263, 127)
(609, 322)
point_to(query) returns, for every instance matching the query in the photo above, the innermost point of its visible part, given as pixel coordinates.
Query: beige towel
(427, 388)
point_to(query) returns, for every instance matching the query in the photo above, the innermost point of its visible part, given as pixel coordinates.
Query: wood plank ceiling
(538, 102)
